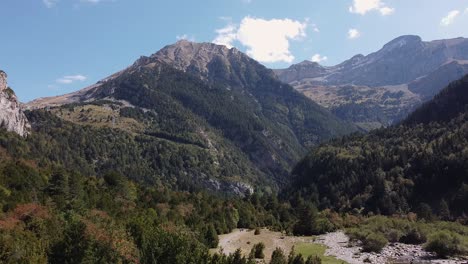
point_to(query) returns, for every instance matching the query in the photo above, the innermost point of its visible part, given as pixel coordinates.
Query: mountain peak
(191, 56)
(402, 41)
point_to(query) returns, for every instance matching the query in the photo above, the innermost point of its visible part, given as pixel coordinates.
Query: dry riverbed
(337, 243)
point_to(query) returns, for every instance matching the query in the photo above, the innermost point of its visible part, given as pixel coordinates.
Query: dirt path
(337, 243)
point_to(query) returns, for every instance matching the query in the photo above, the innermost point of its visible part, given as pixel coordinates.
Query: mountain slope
(389, 83)
(11, 114)
(210, 97)
(398, 169)
(448, 104)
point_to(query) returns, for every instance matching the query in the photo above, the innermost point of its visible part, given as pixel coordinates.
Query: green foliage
(418, 166)
(374, 243)
(211, 237)
(257, 251)
(446, 243)
(375, 232)
(278, 257)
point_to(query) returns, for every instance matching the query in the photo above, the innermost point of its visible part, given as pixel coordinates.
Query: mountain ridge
(210, 96)
(392, 81)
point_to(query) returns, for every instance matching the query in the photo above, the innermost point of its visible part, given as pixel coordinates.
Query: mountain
(448, 104)
(12, 117)
(403, 168)
(221, 116)
(382, 87)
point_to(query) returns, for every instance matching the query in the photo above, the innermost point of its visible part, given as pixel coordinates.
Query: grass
(310, 249)
(99, 116)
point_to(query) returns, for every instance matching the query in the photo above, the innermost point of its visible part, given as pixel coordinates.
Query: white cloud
(318, 58)
(450, 18)
(186, 37)
(50, 3)
(466, 10)
(315, 28)
(71, 78)
(226, 36)
(385, 11)
(353, 33)
(363, 6)
(266, 40)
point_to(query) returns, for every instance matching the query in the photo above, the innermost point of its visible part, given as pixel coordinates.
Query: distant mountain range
(239, 123)
(382, 87)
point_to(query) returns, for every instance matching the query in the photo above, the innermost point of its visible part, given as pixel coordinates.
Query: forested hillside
(419, 166)
(193, 112)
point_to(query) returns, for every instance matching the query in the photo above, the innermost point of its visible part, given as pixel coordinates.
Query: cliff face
(12, 117)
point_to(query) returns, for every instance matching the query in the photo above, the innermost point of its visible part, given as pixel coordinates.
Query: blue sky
(51, 47)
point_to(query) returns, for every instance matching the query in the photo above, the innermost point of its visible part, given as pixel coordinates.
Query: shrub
(313, 260)
(278, 257)
(446, 243)
(257, 251)
(414, 236)
(257, 231)
(394, 235)
(374, 243)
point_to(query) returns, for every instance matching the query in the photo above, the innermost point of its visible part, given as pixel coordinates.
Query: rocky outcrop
(12, 117)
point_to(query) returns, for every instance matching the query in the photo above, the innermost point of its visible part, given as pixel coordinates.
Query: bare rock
(12, 117)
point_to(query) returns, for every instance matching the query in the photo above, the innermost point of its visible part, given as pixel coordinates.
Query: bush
(374, 243)
(257, 251)
(445, 243)
(257, 231)
(313, 260)
(414, 236)
(278, 257)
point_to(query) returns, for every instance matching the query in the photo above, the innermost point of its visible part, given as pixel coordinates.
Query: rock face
(382, 87)
(12, 117)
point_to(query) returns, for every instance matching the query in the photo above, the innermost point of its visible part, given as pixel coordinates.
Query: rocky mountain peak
(12, 117)
(191, 56)
(3, 81)
(403, 41)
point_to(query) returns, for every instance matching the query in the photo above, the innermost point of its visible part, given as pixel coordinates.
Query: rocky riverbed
(339, 246)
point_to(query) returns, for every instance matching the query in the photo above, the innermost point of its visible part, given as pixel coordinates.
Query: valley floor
(337, 248)
(398, 253)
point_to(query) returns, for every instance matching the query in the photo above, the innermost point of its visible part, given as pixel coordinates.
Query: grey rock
(12, 117)
(382, 87)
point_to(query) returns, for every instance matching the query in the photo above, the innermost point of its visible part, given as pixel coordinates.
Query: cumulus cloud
(318, 58)
(363, 6)
(353, 33)
(71, 79)
(50, 3)
(226, 36)
(466, 10)
(266, 40)
(186, 37)
(450, 18)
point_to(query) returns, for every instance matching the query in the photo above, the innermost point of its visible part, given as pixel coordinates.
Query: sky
(52, 47)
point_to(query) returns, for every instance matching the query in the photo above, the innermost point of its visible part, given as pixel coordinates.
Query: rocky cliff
(11, 115)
